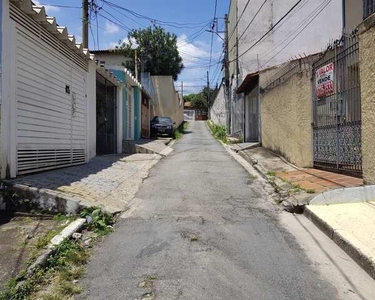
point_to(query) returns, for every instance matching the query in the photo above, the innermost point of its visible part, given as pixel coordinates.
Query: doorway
(105, 116)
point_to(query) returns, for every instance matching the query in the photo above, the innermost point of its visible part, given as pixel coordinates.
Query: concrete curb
(41, 199)
(245, 148)
(276, 182)
(366, 263)
(66, 233)
(345, 195)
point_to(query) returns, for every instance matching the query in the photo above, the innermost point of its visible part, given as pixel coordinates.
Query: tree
(199, 101)
(189, 98)
(157, 50)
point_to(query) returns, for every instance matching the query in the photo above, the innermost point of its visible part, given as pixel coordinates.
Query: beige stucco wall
(367, 69)
(286, 114)
(166, 101)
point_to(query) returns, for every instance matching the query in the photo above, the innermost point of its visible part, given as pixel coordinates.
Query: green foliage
(200, 100)
(157, 50)
(100, 222)
(180, 130)
(68, 252)
(271, 173)
(311, 191)
(43, 241)
(64, 266)
(189, 98)
(218, 131)
(61, 217)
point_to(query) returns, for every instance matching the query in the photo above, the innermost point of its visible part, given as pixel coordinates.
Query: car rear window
(162, 120)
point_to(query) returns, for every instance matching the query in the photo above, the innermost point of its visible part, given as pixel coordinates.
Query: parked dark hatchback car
(161, 126)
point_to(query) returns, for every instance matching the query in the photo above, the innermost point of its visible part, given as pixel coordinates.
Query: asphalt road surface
(201, 228)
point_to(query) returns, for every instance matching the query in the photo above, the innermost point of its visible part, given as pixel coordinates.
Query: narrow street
(201, 228)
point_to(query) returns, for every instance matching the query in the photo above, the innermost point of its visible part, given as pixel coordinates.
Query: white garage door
(51, 103)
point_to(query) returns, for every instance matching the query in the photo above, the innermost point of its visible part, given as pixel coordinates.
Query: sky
(194, 17)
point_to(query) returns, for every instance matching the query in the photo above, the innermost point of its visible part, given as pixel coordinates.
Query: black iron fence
(368, 8)
(337, 108)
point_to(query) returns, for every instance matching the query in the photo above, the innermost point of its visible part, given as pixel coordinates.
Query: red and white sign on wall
(324, 81)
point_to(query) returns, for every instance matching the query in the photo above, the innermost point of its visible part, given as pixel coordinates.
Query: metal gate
(252, 116)
(337, 108)
(105, 116)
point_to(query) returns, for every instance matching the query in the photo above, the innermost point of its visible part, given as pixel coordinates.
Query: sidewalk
(340, 205)
(299, 184)
(109, 182)
(351, 226)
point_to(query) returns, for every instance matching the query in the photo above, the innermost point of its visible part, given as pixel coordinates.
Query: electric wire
(156, 21)
(251, 22)
(269, 31)
(212, 37)
(326, 3)
(239, 19)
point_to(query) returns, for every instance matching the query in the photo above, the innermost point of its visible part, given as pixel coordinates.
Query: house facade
(48, 96)
(58, 107)
(252, 46)
(132, 94)
(317, 110)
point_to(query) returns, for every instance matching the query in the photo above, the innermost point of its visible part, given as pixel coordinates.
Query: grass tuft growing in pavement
(218, 131)
(58, 279)
(99, 221)
(180, 130)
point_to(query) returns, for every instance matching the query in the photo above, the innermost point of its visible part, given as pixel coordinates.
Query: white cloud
(49, 9)
(191, 53)
(111, 28)
(112, 45)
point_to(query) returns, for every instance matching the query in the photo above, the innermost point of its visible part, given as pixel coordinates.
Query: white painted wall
(8, 61)
(111, 59)
(91, 111)
(9, 121)
(314, 38)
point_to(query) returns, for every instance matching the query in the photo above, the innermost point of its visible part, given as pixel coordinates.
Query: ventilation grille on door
(30, 161)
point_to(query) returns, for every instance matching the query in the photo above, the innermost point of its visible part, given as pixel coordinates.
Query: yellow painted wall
(286, 114)
(367, 69)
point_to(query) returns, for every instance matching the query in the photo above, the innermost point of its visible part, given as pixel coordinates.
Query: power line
(118, 23)
(93, 37)
(121, 13)
(317, 12)
(270, 30)
(153, 20)
(217, 71)
(238, 21)
(251, 22)
(212, 36)
(279, 26)
(195, 35)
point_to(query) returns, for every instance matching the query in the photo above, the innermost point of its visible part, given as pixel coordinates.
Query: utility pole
(227, 93)
(85, 23)
(136, 63)
(182, 89)
(208, 91)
